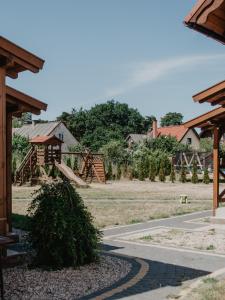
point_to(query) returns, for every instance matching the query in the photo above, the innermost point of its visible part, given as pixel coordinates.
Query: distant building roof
(36, 129)
(177, 131)
(137, 138)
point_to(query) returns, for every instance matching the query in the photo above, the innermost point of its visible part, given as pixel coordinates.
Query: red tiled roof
(178, 131)
(41, 139)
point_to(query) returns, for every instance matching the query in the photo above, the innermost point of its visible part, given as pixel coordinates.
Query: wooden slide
(70, 174)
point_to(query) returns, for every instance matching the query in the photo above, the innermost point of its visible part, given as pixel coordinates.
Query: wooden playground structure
(46, 151)
(204, 160)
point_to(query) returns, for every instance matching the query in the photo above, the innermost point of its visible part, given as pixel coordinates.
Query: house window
(189, 141)
(61, 136)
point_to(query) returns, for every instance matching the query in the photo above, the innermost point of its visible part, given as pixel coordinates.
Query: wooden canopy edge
(21, 53)
(42, 139)
(18, 96)
(204, 118)
(209, 92)
(205, 17)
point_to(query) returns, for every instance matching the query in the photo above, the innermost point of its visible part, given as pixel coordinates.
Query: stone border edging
(184, 293)
(138, 271)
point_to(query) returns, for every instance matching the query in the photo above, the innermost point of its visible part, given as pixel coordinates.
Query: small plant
(183, 176)
(172, 173)
(14, 167)
(206, 178)
(211, 247)
(162, 176)
(194, 178)
(62, 233)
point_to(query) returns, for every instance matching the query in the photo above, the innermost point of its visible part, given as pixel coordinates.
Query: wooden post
(9, 169)
(216, 170)
(3, 172)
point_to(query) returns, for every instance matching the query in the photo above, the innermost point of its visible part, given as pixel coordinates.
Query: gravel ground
(211, 238)
(21, 283)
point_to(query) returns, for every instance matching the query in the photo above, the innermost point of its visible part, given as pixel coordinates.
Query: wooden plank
(215, 169)
(3, 174)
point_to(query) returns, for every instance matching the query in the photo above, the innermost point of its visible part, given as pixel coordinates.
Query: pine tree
(152, 171)
(162, 176)
(118, 172)
(206, 178)
(172, 173)
(141, 171)
(14, 167)
(194, 178)
(75, 164)
(183, 177)
(109, 173)
(68, 162)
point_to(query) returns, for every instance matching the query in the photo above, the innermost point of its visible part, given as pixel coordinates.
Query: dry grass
(127, 202)
(211, 289)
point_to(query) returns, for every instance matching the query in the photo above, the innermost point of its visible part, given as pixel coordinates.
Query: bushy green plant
(194, 178)
(162, 176)
(172, 173)
(206, 178)
(62, 233)
(14, 168)
(183, 175)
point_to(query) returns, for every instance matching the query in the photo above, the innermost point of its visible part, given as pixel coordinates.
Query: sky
(134, 51)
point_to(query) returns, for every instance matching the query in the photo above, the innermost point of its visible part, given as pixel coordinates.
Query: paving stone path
(168, 267)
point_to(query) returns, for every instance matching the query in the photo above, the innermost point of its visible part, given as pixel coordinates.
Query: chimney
(154, 129)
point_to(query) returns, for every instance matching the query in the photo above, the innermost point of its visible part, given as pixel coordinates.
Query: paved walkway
(167, 267)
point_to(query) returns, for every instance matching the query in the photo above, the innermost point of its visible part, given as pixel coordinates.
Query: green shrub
(62, 233)
(194, 178)
(172, 173)
(206, 178)
(75, 164)
(183, 175)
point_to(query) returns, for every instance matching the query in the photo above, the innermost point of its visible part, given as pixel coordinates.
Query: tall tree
(171, 118)
(104, 122)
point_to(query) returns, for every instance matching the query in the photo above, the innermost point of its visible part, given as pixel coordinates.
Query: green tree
(162, 176)
(206, 144)
(183, 175)
(75, 164)
(194, 178)
(62, 233)
(104, 122)
(171, 118)
(20, 146)
(206, 178)
(172, 173)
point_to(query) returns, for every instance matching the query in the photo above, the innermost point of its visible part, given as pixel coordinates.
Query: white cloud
(154, 70)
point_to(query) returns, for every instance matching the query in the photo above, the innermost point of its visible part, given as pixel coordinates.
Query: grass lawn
(127, 202)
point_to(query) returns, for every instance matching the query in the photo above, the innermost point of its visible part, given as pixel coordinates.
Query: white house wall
(195, 145)
(68, 139)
